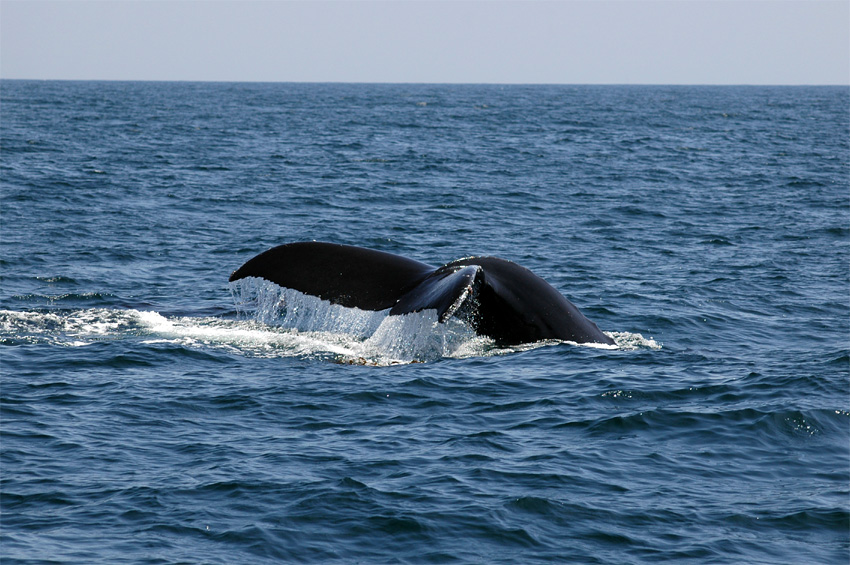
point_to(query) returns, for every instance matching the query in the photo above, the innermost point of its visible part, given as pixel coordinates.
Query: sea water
(153, 413)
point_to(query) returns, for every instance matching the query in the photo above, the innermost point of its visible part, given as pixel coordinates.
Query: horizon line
(425, 83)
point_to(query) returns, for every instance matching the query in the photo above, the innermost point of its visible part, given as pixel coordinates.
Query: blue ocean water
(148, 417)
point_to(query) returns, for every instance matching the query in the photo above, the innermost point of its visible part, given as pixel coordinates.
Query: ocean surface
(150, 415)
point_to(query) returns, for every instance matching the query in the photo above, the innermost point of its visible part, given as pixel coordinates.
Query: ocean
(150, 415)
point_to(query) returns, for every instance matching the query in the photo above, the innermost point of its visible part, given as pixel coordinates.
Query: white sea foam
(245, 336)
(287, 325)
(277, 322)
(630, 341)
(75, 328)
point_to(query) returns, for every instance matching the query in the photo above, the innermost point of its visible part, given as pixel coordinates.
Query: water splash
(371, 337)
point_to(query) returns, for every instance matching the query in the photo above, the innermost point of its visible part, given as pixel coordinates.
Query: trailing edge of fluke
(500, 299)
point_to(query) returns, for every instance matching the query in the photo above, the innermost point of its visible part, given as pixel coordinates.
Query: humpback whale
(498, 298)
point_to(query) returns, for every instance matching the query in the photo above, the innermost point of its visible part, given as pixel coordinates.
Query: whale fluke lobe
(342, 274)
(500, 299)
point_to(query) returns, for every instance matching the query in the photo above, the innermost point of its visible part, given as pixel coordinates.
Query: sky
(438, 41)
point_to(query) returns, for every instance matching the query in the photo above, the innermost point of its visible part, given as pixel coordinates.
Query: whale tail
(509, 303)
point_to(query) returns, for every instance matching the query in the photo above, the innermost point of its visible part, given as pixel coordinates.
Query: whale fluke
(500, 299)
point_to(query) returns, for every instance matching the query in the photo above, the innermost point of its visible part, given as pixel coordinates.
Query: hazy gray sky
(629, 41)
